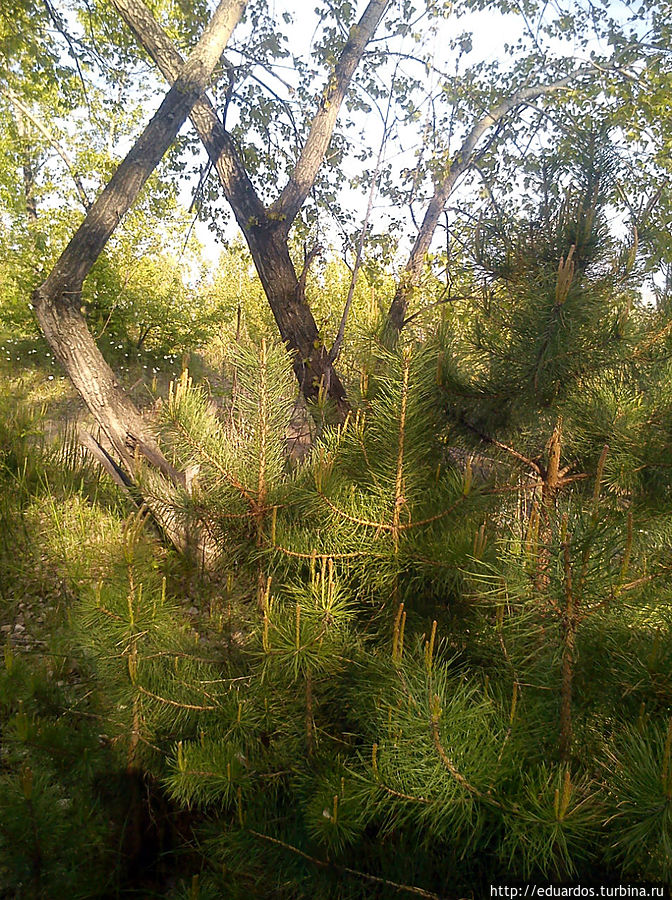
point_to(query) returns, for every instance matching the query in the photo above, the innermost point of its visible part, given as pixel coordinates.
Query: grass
(68, 806)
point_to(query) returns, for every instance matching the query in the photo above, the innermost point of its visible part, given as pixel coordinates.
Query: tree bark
(57, 301)
(266, 229)
(293, 196)
(297, 327)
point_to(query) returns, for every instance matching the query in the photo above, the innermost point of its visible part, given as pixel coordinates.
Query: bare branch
(323, 864)
(335, 351)
(48, 136)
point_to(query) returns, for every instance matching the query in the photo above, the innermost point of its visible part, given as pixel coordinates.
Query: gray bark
(266, 229)
(57, 302)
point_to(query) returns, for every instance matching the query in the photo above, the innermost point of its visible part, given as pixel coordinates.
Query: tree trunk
(570, 624)
(285, 293)
(413, 269)
(566, 689)
(57, 301)
(65, 329)
(456, 166)
(266, 230)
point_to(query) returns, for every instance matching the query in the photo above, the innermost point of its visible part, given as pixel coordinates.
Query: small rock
(5, 628)
(19, 627)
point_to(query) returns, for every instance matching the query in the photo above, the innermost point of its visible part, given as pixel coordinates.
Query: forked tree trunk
(266, 229)
(57, 302)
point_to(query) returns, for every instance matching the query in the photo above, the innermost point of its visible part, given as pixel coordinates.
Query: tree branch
(323, 864)
(238, 189)
(114, 202)
(456, 167)
(335, 351)
(288, 204)
(48, 136)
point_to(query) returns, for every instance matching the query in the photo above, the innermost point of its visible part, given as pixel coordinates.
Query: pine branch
(383, 526)
(323, 864)
(495, 443)
(325, 556)
(379, 526)
(447, 762)
(174, 703)
(216, 464)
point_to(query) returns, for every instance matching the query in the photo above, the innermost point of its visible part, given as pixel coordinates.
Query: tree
(453, 663)
(449, 174)
(57, 301)
(266, 229)
(439, 650)
(526, 560)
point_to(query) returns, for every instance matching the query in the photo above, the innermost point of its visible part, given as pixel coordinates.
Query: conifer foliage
(436, 653)
(460, 617)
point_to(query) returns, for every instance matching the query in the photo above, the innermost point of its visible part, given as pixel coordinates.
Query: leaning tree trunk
(410, 277)
(455, 167)
(266, 229)
(57, 302)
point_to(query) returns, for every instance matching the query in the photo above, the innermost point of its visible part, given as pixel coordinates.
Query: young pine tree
(440, 654)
